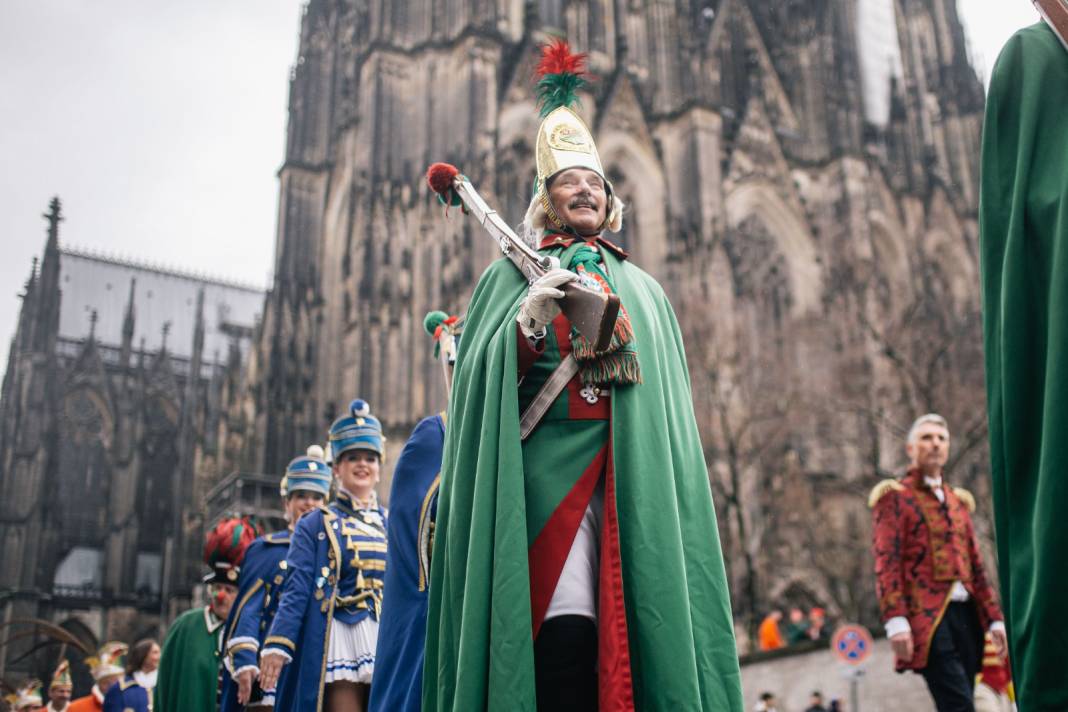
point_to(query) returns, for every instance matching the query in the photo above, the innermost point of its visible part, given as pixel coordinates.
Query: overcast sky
(161, 126)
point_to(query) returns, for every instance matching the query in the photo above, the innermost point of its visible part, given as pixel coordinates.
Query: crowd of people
(769, 703)
(773, 634)
(118, 670)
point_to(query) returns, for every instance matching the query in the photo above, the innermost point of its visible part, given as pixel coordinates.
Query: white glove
(540, 307)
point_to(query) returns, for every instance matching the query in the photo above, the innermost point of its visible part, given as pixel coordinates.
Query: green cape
(188, 676)
(479, 652)
(1023, 224)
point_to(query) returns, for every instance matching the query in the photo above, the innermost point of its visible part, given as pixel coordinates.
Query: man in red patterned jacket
(934, 595)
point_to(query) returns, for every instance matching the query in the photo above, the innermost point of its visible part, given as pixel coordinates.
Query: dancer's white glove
(540, 307)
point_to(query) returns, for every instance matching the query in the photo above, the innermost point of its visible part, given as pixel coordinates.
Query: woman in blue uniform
(133, 693)
(305, 486)
(326, 628)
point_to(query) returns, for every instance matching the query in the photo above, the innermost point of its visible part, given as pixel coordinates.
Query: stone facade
(109, 414)
(800, 175)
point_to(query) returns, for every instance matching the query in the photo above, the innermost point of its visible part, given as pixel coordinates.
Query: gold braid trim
(425, 537)
(881, 489)
(240, 606)
(280, 640)
(966, 498)
(550, 211)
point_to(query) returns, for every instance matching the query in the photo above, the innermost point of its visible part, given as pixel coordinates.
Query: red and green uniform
(508, 513)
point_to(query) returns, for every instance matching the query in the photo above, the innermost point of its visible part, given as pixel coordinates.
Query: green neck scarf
(618, 363)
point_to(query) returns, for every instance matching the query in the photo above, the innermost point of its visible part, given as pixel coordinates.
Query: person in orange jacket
(107, 667)
(769, 636)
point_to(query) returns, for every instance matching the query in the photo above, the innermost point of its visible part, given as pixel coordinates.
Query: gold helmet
(564, 141)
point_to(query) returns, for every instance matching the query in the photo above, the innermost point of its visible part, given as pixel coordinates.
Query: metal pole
(854, 694)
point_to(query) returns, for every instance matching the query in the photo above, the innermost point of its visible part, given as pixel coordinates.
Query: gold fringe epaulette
(966, 497)
(881, 489)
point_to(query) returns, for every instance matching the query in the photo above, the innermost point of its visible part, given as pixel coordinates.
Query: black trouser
(565, 665)
(955, 658)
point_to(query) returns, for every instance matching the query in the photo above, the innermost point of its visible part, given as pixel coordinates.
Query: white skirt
(351, 655)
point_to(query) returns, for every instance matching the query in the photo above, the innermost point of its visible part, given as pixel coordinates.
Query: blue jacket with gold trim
(336, 563)
(397, 685)
(126, 696)
(263, 571)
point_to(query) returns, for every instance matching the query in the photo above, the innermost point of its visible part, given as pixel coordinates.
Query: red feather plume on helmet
(561, 75)
(228, 540)
(557, 58)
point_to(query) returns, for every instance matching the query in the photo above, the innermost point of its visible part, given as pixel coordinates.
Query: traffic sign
(852, 644)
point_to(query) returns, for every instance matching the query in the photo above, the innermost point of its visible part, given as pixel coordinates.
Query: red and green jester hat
(509, 509)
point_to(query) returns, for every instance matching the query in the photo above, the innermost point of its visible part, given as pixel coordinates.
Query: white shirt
(576, 591)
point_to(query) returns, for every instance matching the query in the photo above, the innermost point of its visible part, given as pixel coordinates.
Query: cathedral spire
(196, 356)
(183, 484)
(198, 330)
(50, 263)
(141, 358)
(128, 328)
(28, 313)
(48, 294)
(54, 216)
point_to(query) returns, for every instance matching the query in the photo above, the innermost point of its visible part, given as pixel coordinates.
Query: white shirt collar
(211, 620)
(357, 503)
(146, 680)
(932, 482)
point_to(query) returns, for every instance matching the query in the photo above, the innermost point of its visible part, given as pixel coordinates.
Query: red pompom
(440, 177)
(557, 58)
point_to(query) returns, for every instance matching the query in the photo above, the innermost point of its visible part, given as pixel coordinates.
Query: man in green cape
(580, 568)
(189, 663)
(1023, 223)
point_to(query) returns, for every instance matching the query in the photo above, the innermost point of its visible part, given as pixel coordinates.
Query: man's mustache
(582, 202)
